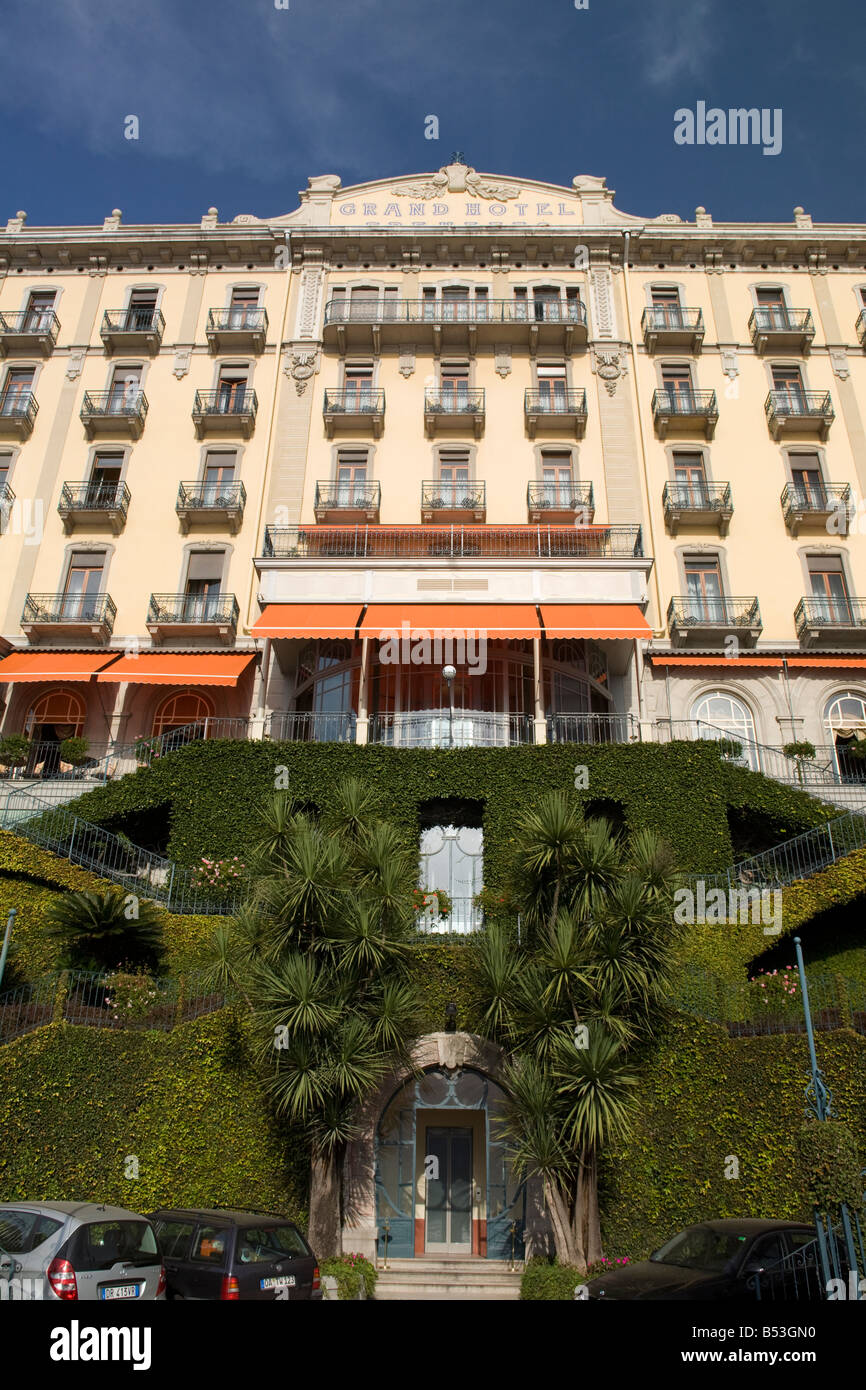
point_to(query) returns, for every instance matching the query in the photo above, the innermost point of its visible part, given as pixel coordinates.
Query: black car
(729, 1259)
(216, 1253)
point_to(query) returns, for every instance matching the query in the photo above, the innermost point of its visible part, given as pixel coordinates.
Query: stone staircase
(439, 1278)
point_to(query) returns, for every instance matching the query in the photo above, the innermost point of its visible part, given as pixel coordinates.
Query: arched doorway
(54, 716)
(444, 1185)
(180, 710)
(845, 720)
(728, 716)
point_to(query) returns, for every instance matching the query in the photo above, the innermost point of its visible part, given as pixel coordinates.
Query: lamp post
(449, 672)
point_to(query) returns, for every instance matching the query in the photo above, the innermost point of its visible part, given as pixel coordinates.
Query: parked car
(213, 1253)
(77, 1251)
(729, 1259)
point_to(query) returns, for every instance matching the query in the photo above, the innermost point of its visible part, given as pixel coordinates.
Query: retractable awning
(53, 666)
(604, 622)
(662, 659)
(179, 668)
(491, 620)
(308, 620)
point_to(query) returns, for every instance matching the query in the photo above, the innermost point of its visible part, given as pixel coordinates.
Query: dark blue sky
(238, 101)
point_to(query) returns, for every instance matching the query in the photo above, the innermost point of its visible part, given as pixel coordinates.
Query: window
(264, 1244)
(546, 304)
(845, 718)
(556, 473)
(704, 591)
(140, 311)
(104, 478)
(40, 307)
(788, 386)
(771, 305)
(219, 474)
(203, 583)
(231, 389)
(453, 476)
(719, 714)
(830, 602)
(666, 312)
(174, 1238)
(6, 457)
(22, 1231)
(16, 390)
(807, 481)
(83, 586)
(552, 388)
(55, 715)
(364, 304)
(454, 385)
(690, 477)
(677, 382)
(123, 395)
(455, 303)
(210, 1245)
(183, 708)
(243, 310)
(351, 477)
(101, 1244)
(358, 387)
(452, 857)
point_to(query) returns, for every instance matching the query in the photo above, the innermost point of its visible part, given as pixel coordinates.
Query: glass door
(788, 384)
(666, 309)
(691, 480)
(830, 596)
(16, 391)
(140, 311)
(351, 481)
(40, 307)
(557, 481)
(83, 583)
(219, 474)
(454, 388)
(125, 387)
(243, 308)
(448, 1205)
(552, 389)
(808, 485)
(704, 585)
(678, 384)
(772, 306)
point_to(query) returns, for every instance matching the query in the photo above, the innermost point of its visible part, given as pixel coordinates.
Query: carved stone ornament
(839, 363)
(300, 369)
(181, 362)
(407, 361)
(502, 359)
(457, 178)
(74, 365)
(730, 365)
(608, 363)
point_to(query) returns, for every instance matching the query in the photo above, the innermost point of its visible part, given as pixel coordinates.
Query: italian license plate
(282, 1281)
(119, 1291)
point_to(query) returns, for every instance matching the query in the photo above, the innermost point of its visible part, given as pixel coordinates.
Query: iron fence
(592, 728)
(387, 542)
(111, 999)
(440, 728)
(435, 311)
(762, 1006)
(298, 726)
(138, 318)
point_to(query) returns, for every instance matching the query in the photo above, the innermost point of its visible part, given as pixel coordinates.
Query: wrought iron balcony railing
(554, 402)
(685, 402)
(860, 326)
(7, 500)
(477, 311)
(70, 609)
(696, 497)
(128, 402)
(192, 609)
(812, 612)
(237, 319)
(576, 497)
(198, 496)
(449, 496)
(21, 406)
(689, 611)
(236, 401)
(592, 728)
(454, 401)
(31, 323)
(778, 319)
(336, 496)
(465, 728)
(671, 318)
(820, 498)
(390, 542)
(815, 404)
(138, 318)
(94, 497)
(363, 401)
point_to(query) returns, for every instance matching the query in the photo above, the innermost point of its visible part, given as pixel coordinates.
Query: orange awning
(53, 666)
(179, 668)
(604, 621)
(855, 662)
(491, 620)
(720, 660)
(308, 620)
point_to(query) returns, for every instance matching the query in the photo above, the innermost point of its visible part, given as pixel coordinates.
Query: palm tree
(320, 955)
(574, 1005)
(103, 931)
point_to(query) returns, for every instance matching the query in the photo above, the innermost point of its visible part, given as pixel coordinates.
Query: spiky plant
(103, 931)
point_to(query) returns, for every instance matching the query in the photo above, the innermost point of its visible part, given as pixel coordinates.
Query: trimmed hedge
(75, 1103)
(542, 1280)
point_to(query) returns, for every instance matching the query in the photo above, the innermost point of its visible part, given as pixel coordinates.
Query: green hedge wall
(75, 1102)
(683, 790)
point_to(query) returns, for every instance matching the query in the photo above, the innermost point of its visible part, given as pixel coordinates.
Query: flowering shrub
(493, 904)
(129, 997)
(350, 1270)
(422, 901)
(220, 876)
(776, 989)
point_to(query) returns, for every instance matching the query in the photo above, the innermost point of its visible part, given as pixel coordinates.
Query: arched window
(846, 711)
(183, 707)
(57, 714)
(721, 714)
(845, 717)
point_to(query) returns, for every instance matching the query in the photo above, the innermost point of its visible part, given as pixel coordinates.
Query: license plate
(283, 1281)
(120, 1291)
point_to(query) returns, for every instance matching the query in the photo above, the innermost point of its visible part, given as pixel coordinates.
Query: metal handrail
(363, 401)
(697, 497)
(454, 400)
(593, 728)
(355, 495)
(687, 610)
(383, 542)
(237, 319)
(577, 496)
(439, 728)
(686, 401)
(239, 401)
(564, 402)
(661, 318)
(820, 498)
(31, 321)
(441, 496)
(120, 401)
(135, 319)
(827, 611)
(435, 311)
(797, 402)
(19, 405)
(69, 608)
(231, 495)
(94, 497)
(777, 318)
(193, 608)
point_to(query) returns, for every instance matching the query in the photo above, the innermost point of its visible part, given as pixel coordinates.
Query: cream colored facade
(691, 527)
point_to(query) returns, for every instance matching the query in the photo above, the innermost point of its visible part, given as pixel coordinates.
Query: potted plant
(73, 751)
(145, 749)
(800, 751)
(14, 751)
(730, 748)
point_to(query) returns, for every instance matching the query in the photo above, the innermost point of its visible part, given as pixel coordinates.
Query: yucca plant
(103, 931)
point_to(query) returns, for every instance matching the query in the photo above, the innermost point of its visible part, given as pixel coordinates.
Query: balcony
(454, 410)
(592, 728)
(557, 410)
(354, 410)
(225, 412)
(353, 543)
(33, 331)
(669, 326)
(71, 616)
(347, 502)
(560, 502)
(791, 414)
(697, 504)
(213, 503)
(439, 728)
(173, 616)
(114, 413)
(708, 621)
(232, 329)
(860, 328)
(132, 330)
(18, 411)
(831, 622)
(685, 412)
(774, 328)
(367, 324)
(822, 506)
(447, 501)
(7, 502)
(92, 504)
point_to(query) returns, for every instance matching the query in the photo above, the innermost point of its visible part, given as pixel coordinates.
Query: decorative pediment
(457, 178)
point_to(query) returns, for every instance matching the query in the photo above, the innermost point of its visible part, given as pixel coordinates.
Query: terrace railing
(593, 728)
(388, 542)
(85, 998)
(439, 729)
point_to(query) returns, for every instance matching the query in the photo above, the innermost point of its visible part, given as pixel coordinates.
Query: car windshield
(700, 1247)
(101, 1244)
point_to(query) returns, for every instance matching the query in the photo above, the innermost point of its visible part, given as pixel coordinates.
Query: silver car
(70, 1251)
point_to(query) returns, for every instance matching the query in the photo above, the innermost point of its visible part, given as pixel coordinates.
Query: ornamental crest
(457, 178)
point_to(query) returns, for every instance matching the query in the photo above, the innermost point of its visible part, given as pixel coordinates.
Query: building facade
(275, 476)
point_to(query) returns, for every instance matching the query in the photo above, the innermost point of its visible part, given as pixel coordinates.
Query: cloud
(676, 41)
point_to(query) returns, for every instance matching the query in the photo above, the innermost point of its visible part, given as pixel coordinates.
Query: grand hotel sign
(456, 194)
